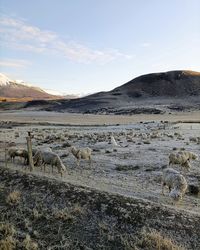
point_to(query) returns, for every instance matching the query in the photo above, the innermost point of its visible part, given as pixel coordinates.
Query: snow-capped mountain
(4, 80)
(10, 88)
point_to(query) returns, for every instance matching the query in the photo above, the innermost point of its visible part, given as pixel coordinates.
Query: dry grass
(103, 227)
(64, 215)
(70, 214)
(13, 198)
(153, 240)
(78, 210)
(29, 244)
(7, 232)
(8, 243)
(36, 214)
(6, 229)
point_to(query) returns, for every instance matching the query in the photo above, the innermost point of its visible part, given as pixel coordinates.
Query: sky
(86, 46)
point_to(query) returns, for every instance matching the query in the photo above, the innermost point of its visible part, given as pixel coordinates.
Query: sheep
(190, 155)
(186, 165)
(182, 158)
(176, 183)
(48, 157)
(22, 153)
(177, 158)
(11, 153)
(84, 153)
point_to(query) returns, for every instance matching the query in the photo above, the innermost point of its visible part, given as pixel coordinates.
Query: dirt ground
(133, 168)
(90, 119)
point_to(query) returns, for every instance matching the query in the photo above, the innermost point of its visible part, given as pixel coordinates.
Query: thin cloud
(146, 44)
(13, 63)
(18, 34)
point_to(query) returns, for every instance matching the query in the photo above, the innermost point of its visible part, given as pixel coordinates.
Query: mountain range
(150, 93)
(19, 90)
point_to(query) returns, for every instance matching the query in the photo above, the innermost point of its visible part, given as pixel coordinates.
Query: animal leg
(61, 174)
(163, 187)
(44, 167)
(90, 161)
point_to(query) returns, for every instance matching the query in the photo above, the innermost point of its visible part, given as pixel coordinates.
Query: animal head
(187, 165)
(63, 167)
(72, 149)
(194, 156)
(176, 195)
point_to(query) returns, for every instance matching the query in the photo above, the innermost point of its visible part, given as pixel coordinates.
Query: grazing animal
(177, 158)
(15, 152)
(83, 153)
(176, 183)
(182, 158)
(51, 158)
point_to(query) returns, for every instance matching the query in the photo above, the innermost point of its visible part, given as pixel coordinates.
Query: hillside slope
(151, 93)
(172, 84)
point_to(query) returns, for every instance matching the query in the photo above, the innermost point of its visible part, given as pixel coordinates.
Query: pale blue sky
(85, 46)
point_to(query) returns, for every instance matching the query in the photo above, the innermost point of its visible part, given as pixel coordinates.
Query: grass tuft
(13, 198)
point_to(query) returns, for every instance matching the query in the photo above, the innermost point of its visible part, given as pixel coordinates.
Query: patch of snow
(53, 92)
(4, 80)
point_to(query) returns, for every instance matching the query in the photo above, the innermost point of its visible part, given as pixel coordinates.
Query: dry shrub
(6, 229)
(8, 243)
(13, 198)
(29, 244)
(155, 241)
(69, 214)
(77, 210)
(103, 226)
(64, 215)
(128, 242)
(36, 214)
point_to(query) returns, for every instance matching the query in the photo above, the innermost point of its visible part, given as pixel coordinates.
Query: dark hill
(172, 84)
(151, 93)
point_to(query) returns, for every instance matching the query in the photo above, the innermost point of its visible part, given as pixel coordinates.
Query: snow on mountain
(4, 80)
(18, 88)
(53, 92)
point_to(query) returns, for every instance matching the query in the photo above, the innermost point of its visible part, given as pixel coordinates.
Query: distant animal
(113, 141)
(83, 153)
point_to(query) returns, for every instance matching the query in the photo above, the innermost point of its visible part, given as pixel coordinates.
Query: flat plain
(131, 170)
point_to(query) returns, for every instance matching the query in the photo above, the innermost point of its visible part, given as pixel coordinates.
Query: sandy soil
(133, 168)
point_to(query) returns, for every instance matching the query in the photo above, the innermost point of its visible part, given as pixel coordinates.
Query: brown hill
(15, 90)
(19, 90)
